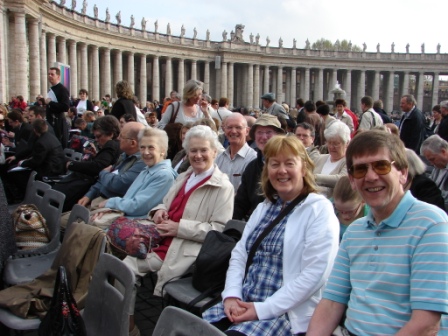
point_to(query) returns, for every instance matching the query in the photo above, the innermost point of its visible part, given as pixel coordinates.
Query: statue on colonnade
(118, 17)
(143, 24)
(156, 26)
(132, 21)
(95, 11)
(392, 47)
(182, 31)
(195, 33)
(107, 15)
(84, 7)
(238, 35)
(168, 29)
(73, 5)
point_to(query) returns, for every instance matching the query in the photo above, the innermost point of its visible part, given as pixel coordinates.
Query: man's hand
(10, 159)
(108, 169)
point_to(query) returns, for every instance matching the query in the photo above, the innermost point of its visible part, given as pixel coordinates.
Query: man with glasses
(235, 158)
(391, 270)
(305, 132)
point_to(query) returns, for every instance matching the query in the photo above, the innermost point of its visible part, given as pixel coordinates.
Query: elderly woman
(188, 110)
(330, 167)
(200, 200)
(150, 186)
(102, 153)
(276, 291)
(124, 103)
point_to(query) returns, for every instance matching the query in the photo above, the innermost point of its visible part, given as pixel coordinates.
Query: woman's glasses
(381, 167)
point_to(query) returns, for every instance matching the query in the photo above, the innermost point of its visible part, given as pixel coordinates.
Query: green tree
(344, 45)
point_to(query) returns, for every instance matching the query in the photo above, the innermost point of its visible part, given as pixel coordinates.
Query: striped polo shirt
(384, 272)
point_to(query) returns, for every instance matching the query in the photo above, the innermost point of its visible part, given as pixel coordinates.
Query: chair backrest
(107, 309)
(51, 210)
(176, 322)
(77, 156)
(35, 192)
(78, 214)
(68, 152)
(236, 225)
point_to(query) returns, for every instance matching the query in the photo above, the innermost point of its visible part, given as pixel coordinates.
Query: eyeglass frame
(372, 164)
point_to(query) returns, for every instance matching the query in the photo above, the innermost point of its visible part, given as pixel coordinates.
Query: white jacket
(310, 246)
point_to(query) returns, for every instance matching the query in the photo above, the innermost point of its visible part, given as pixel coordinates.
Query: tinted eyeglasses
(381, 167)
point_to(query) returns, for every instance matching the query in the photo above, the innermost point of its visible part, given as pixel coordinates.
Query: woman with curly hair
(124, 103)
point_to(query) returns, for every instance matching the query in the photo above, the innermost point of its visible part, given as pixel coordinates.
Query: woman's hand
(99, 215)
(159, 216)
(250, 313)
(169, 228)
(232, 309)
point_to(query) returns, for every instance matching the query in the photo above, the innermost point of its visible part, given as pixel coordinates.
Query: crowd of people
(361, 231)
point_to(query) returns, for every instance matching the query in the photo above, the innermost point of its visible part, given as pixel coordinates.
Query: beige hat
(266, 120)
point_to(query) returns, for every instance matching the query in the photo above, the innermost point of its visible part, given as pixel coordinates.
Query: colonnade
(98, 59)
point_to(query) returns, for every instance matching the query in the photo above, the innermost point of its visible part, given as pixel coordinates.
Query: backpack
(211, 264)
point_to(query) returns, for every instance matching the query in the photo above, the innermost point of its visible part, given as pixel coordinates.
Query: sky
(381, 21)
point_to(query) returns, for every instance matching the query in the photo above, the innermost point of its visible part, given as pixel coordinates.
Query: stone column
(435, 89)
(20, 53)
(181, 76)
(279, 94)
(95, 95)
(207, 76)
(293, 88)
(105, 80)
(61, 55)
(131, 76)
(389, 104)
(43, 63)
(265, 80)
(348, 87)
(376, 85)
(73, 67)
(155, 79)
(84, 67)
(118, 69)
(256, 96)
(194, 70)
(143, 92)
(34, 59)
(319, 85)
(420, 88)
(250, 86)
(331, 83)
(231, 83)
(405, 88)
(361, 87)
(51, 50)
(224, 79)
(306, 85)
(168, 76)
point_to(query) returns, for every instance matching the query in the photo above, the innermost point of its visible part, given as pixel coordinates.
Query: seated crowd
(189, 165)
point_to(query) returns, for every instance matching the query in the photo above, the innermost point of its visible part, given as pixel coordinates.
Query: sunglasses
(381, 167)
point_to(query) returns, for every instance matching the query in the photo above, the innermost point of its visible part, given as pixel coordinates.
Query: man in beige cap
(248, 194)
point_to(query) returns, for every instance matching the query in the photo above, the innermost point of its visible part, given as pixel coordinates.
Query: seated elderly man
(234, 159)
(150, 186)
(435, 150)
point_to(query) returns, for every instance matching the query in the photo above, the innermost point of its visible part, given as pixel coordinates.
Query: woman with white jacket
(289, 269)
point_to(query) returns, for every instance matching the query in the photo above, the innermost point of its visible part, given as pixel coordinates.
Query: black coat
(56, 113)
(424, 189)
(248, 195)
(88, 104)
(23, 132)
(48, 157)
(413, 130)
(123, 106)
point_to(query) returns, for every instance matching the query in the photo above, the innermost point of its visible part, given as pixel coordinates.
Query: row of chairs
(106, 308)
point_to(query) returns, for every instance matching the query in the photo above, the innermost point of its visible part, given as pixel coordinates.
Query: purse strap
(174, 113)
(269, 228)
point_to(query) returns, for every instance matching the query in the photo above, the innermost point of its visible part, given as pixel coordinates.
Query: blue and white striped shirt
(385, 271)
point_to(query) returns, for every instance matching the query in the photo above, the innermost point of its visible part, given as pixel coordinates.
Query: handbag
(211, 265)
(172, 129)
(63, 317)
(30, 227)
(133, 237)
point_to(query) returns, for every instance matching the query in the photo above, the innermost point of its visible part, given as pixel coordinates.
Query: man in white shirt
(369, 118)
(223, 110)
(235, 158)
